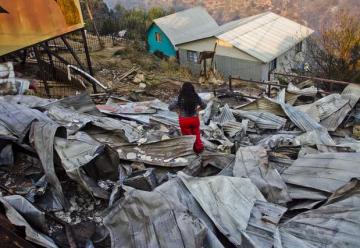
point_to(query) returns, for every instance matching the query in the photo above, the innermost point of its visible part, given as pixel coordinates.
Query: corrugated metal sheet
(233, 128)
(228, 201)
(297, 192)
(177, 193)
(156, 219)
(350, 143)
(28, 101)
(166, 117)
(306, 123)
(20, 120)
(74, 121)
(17, 118)
(352, 94)
(263, 120)
(80, 150)
(188, 25)
(42, 135)
(5, 134)
(263, 104)
(329, 105)
(309, 91)
(262, 228)
(265, 37)
(213, 133)
(325, 171)
(81, 103)
(247, 69)
(252, 162)
(254, 223)
(278, 140)
(336, 224)
(224, 116)
(176, 152)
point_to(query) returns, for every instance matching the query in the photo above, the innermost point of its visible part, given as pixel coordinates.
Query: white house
(251, 48)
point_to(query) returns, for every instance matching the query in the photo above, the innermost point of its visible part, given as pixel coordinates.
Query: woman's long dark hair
(188, 99)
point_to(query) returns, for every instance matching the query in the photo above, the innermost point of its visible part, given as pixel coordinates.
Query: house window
(158, 37)
(273, 65)
(298, 47)
(192, 56)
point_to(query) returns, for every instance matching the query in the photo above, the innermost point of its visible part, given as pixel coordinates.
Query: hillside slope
(310, 12)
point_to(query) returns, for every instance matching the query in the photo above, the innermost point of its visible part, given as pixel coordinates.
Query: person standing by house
(187, 105)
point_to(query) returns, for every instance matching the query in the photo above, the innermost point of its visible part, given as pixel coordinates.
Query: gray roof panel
(188, 25)
(265, 36)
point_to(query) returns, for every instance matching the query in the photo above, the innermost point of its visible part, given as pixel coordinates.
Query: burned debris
(278, 170)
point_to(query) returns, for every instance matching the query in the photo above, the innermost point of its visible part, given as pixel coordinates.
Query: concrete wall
(165, 46)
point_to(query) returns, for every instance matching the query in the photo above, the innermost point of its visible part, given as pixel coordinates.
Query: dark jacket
(175, 105)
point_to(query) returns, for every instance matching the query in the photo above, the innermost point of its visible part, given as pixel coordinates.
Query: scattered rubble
(276, 172)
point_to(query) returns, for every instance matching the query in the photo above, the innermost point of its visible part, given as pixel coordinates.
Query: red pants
(191, 126)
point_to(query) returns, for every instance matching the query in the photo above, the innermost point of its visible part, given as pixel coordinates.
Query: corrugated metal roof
(265, 36)
(236, 23)
(188, 25)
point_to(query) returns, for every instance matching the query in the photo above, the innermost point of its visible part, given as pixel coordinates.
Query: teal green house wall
(165, 46)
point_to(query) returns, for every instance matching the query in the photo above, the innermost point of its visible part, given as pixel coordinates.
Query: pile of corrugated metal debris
(274, 173)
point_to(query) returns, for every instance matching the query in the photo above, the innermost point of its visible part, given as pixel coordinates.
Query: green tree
(109, 26)
(137, 21)
(154, 13)
(120, 10)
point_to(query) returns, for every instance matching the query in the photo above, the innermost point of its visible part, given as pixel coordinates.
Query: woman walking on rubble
(188, 104)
